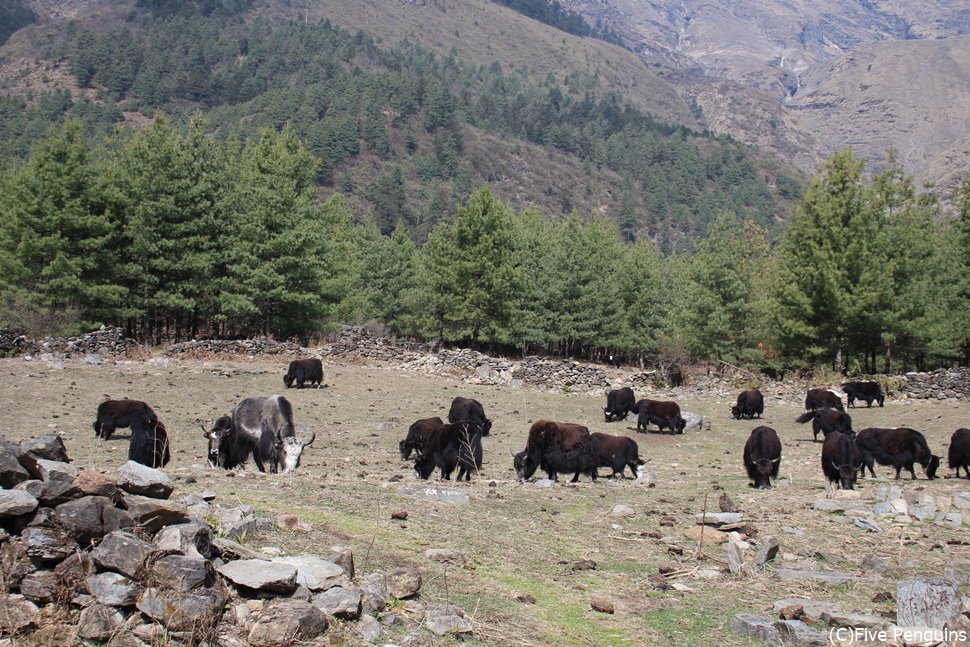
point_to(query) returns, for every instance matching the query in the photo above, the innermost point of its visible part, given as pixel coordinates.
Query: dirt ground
(520, 539)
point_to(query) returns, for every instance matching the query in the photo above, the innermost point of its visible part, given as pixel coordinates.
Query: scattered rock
(400, 515)
(39, 587)
(874, 564)
(193, 539)
(404, 582)
(726, 503)
(524, 598)
(926, 602)
(183, 572)
(180, 611)
(368, 628)
(431, 493)
(445, 556)
(114, 589)
(447, 620)
(708, 535)
(90, 518)
(16, 613)
(734, 552)
(344, 558)
(719, 518)
(830, 578)
(792, 612)
(46, 470)
(621, 510)
(153, 514)
(958, 571)
(48, 544)
(842, 619)
(50, 493)
(11, 471)
(767, 551)
(47, 447)
(601, 603)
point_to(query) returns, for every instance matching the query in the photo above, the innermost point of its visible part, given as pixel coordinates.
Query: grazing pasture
(523, 541)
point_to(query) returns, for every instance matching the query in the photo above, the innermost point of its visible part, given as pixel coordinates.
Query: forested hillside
(283, 177)
(403, 133)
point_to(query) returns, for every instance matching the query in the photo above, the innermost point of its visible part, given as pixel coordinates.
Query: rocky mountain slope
(828, 74)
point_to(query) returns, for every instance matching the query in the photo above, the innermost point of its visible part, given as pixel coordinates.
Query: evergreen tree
(716, 310)
(812, 288)
(276, 245)
(60, 236)
(471, 271)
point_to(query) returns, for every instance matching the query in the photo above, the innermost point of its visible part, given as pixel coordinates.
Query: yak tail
(805, 417)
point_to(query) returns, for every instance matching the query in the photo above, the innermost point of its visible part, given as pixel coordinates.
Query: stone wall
(941, 384)
(235, 348)
(108, 341)
(118, 560)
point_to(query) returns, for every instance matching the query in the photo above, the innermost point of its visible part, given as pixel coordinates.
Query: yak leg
(575, 478)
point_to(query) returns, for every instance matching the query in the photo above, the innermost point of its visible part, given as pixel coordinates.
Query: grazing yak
(614, 360)
(750, 404)
(827, 421)
(447, 447)
(822, 399)
(304, 371)
(556, 447)
(617, 453)
(841, 460)
(762, 457)
(113, 414)
(149, 444)
(418, 434)
(261, 427)
(219, 447)
(619, 403)
(469, 410)
(661, 413)
(959, 455)
(867, 391)
(900, 448)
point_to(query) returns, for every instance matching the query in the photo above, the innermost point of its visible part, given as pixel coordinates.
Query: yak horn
(313, 436)
(511, 453)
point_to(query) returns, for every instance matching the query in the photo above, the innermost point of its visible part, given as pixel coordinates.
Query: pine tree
(471, 271)
(812, 290)
(60, 236)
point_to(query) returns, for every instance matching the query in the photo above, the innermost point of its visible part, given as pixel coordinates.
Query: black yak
(750, 404)
(762, 457)
(959, 454)
(900, 448)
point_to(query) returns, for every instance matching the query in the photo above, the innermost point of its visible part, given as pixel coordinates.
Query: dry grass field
(520, 539)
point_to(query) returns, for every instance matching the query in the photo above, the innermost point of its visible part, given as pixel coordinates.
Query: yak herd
(262, 428)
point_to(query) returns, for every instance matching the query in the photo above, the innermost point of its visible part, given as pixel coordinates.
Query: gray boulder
(340, 601)
(39, 587)
(447, 620)
(47, 447)
(926, 602)
(375, 592)
(48, 545)
(121, 552)
(50, 493)
(313, 572)
(99, 622)
(154, 514)
(193, 539)
(256, 574)
(14, 503)
(46, 470)
(180, 611)
(90, 518)
(11, 471)
(114, 589)
(283, 622)
(16, 613)
(184, 572)
(143, 480)
(403, 582)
